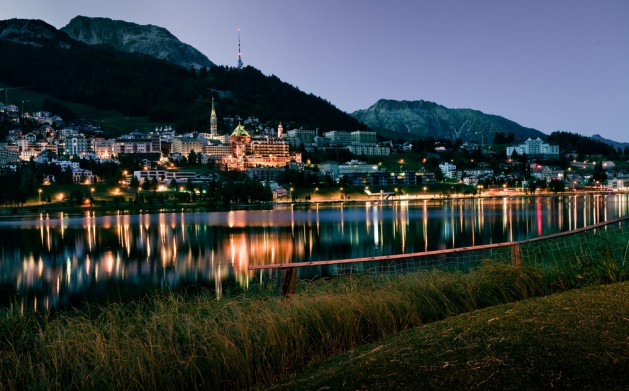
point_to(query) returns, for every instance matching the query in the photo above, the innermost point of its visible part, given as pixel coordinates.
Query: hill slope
(134, 38)
(615, 144)
(414, 119)
(139, 85)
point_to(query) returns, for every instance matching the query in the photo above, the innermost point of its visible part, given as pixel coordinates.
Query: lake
(48, 261)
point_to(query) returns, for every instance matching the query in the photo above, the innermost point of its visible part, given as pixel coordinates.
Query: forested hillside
(572, 142)
(139, 85)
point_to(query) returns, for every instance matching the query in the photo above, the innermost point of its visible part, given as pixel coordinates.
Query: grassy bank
(186, 342)
(575, 340)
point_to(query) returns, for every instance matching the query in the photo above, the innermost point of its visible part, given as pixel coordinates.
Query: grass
(574, 340)
(177, 341)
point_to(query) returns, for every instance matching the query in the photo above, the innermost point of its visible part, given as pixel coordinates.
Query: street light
(39, 191)
(315, 193)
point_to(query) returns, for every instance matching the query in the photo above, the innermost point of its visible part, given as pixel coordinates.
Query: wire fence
(609, 239)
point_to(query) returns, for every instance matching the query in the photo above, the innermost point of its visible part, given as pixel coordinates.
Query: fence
(610, 238)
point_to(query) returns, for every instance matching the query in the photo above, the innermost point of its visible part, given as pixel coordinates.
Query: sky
(545, 64)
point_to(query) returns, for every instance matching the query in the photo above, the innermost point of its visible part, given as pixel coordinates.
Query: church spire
(213, 120)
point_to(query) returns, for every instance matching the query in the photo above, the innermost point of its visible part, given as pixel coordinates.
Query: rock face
(134, 38)
(413, 119)
(33, 32)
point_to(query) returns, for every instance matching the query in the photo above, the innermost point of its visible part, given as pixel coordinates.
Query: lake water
(51, 260)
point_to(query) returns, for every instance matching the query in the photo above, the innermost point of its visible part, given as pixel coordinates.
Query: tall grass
(173, 341)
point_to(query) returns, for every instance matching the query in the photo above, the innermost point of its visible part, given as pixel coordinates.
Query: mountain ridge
(34, 32)
(138, 85)
(240, 92)
(420, 118)
(131, 37)
(615, 144)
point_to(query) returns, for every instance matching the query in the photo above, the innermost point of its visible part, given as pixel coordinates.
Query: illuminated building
(184, 145)
(535, 148)
(247, 152)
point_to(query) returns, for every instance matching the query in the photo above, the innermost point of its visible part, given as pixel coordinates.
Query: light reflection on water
(54, 258)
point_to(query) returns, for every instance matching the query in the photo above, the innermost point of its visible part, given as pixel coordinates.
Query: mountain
(615, 144)
(415, 119)
(34, 33)
(134, 38)
(138, 85)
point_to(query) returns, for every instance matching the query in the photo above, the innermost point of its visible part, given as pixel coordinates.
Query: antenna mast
(239, 53)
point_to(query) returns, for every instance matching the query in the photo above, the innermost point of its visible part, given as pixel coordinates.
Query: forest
(139, 85)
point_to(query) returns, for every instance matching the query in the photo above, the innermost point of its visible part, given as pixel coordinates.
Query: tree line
(139, 85)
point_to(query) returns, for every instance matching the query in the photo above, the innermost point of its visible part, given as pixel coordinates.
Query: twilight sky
(546, 64)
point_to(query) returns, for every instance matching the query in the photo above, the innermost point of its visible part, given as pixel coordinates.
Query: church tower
(213, 121)
(280, 131)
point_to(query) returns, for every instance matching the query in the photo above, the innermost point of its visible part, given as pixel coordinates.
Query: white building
(184, 145)
(618, 184)
(370, 149)
(535, 147)
(355, 166)
(77, 145)
(363, 136)
(339, 138)
(164, 176)
(300, 136)
(448, 170)
(82, 176)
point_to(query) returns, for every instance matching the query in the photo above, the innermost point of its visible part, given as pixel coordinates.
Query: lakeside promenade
(103, 201)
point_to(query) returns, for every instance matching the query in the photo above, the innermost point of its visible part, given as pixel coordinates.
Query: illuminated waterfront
(49, 260)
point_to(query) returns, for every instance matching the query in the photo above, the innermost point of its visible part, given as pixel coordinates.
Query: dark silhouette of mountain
(615, 144)
(573, 142)
(140, 85)
(34, 33)
(414, 119)
(134, 38)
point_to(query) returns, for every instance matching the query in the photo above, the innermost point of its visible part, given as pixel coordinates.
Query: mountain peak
(615, 144)
(33, 32)
(130, 37)
(420, 118)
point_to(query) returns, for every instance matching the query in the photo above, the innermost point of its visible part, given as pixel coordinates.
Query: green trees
(501, 138)
(134, 183)
(599, 175)
(138, 85)
(557, 186)
(582, 145)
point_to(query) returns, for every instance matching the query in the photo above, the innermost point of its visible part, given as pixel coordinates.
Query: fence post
(515, 255)
(289, 281)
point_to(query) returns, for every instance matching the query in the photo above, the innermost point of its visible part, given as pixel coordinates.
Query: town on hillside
(254, 163)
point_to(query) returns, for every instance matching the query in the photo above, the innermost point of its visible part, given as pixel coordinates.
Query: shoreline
(58, 207)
